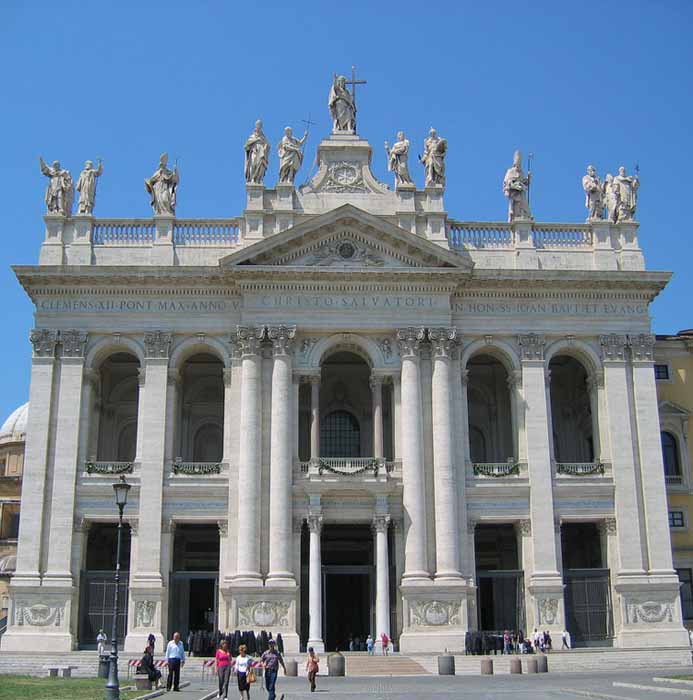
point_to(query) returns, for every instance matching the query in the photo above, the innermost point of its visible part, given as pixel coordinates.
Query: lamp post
(121, 489)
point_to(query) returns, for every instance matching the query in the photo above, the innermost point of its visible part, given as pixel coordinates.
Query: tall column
(248, 493)
(381, 523)
(627, 505)
(281, 451)
(376, 384)
(314, 418)
(443, 341)
(73, 344)
(650, 452)
(315, 584)
(41, 399)
(413, 497)
(87, 422)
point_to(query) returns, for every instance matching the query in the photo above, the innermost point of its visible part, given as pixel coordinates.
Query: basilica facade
(342, 413)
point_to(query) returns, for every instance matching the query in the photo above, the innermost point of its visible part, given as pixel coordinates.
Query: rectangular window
(686, 579)
(9, 525)
(661, 372)
(3, 467)
(676, 518)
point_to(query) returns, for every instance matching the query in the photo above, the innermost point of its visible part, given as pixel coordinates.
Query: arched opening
(340, 435)
(490, 410)
(571, 411)
(670, 455)
(115, 424)
(200, 436)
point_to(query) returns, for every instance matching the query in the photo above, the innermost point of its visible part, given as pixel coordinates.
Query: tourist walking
(312, 666)
(146, 666)
(223, 659)
(565, 639)
(386, 643)
(175, 658)
(151, 641)
(101, 640)
(243, 672)
(271, 661)
(370, 644)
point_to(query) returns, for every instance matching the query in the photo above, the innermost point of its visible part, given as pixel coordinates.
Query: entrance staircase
(362, 664)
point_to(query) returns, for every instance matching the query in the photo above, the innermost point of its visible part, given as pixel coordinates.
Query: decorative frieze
(613, 347)
(649, 611)
(73, 343)
(264, 613)
(145, 610)
(443, 341)
(282, 338)
(434, 613)
(409, 341)
(642, 347)
(44, 342)
(38, 615)
(157, 345)
(531, 346)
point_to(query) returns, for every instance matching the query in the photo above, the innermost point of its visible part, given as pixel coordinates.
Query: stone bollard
(486, 667)
(336, 664)
(446, 665)
(531, 666)
(291, 668)
(542, 664)
(515, 665)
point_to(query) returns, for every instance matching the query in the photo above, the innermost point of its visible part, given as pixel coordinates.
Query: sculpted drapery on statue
(397, 158)
(162, 186)
(257, 150)
(515, 187)
(626, 187)
(610, 198)
(290, 155)
(594, 194)
(433, 159)
(342, 106)
(60, 190)
(86, 186)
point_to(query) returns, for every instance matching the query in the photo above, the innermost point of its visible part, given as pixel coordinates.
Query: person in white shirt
(175, 658)
(243, 662)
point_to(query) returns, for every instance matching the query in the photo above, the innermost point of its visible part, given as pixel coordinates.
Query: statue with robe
(162, 186)
(342, 106)
(627, 188)
(257, 149)
(86, 186)
(290, 156)
(594, 194)
(610, 198)
(515, 188)
(60, 190)
(397, 160)
(433, 159)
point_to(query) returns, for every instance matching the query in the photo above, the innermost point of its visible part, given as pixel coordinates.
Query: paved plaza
(569, 686)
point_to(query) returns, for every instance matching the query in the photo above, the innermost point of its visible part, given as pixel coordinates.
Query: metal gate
(500, 600)
(589, 617)
(96, 606)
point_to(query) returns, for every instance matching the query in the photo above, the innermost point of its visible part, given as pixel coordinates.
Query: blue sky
(573, 83)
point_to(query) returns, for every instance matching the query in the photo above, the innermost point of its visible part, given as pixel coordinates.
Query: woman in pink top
(386, 642)
(223, 669)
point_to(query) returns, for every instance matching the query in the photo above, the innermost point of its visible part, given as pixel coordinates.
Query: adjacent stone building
(344, 412)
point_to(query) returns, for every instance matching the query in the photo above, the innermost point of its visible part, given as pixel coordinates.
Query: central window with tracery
(340, 435)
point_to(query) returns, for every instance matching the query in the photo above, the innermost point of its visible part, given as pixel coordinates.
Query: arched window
(477, 445)
(670, 453)
(208, 445)
(340, 435)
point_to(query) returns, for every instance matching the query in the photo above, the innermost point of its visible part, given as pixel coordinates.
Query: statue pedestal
(406, 207)
(527, 258)
(436, 216)
(162, 249)
(631, 254)
(254, 210)
(52, 249)
(603, 246)
(80, 250)
(284, 206)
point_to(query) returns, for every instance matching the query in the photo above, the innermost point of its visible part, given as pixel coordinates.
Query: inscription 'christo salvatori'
(317, 301)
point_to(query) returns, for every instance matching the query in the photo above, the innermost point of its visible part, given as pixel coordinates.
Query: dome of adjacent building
(14, 428)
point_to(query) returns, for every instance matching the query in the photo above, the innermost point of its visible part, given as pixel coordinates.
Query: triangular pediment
(671, 409)
(346, 238)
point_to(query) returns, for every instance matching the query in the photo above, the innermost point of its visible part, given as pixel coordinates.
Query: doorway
(347, 606)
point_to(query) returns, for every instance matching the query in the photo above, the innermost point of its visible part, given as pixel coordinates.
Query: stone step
(391, 665)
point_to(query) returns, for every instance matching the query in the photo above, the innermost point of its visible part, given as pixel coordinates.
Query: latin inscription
(99, 306)
(361, 301)
(512, 308)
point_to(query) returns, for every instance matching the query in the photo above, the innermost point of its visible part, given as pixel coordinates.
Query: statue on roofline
(515, 188)
(594, 194)
(162, 186)
(397, 158)
(290, 156)
(342, 106)
(60, 190)
(256, 149)
(86, 186)
(626, 187)
(433, 159)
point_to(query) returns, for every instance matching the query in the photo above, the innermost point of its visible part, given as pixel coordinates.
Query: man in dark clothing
(271, 660)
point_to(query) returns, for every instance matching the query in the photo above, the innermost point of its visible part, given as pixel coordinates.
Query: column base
(280, 579)
(544, 604)
(146, 615)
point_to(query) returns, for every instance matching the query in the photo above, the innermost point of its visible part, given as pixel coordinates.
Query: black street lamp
(121, 489)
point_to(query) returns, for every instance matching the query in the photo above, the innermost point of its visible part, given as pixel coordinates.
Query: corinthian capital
(642, 347)
(249, 339)
(381, 522)
(531, 346)
(409, 341)
(444, 341)
(314, 522)
(73, 342)
(613, 347)
(282, 338)
(44, 342)
(157, 344)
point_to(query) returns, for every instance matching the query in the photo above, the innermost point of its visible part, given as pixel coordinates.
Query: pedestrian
(244, 672)
(370, 644)
(175, 658)
(223, 659)
(565, 639)
(386, 642)
(151, 641)
(548, 642)
(146, 666)
(101, 640)
(271, 661)
(312, 666)
(507, 647)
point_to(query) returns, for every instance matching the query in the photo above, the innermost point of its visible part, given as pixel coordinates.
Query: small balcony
(108, 468)
(497, 470)
(582, 470)
(375, 467)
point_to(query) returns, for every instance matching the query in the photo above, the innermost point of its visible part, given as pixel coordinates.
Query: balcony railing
(349, 466)
(109, 468)
(501, 235)
(212, 232)
(581, 468)
(123, 232)
(496, 469)
(196, 468)
(673, 479)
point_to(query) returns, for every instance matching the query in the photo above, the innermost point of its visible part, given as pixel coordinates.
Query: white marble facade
(341, 266)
